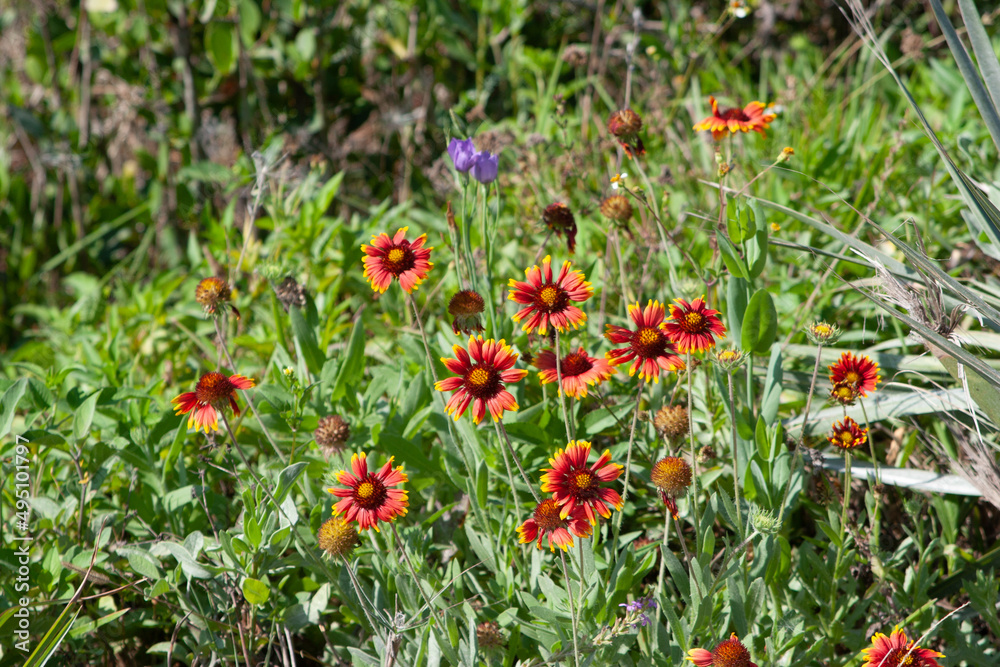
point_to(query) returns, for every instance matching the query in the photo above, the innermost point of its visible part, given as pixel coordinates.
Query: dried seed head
(706, 454)
(466, 307)
(617, 208)
(624, 124)
(331, 433)
(213, 294)
(672, 421)
(489, 636)
(671, 475)
(290, 293)
(337, 537)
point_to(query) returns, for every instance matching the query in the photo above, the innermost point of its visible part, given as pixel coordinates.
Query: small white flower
(618, 180)
(739, 9)
(288, 371)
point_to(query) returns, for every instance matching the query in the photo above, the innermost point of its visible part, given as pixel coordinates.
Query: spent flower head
(466, 307)
(337, 537)
(625, 126)
(559, 218)
(729, 359)
(214, 295)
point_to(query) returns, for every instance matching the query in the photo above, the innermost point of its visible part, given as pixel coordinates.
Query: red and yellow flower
(578, 370)
(896, 651)
(848, 434)
(368, 498)
(480, 376)
(387, 258)
(550, 301)
(693, 327)
(547, 520)
(648, 344)
(211, 393)
(858, 372)
(754, 116)
(574, 484)
(730, 653)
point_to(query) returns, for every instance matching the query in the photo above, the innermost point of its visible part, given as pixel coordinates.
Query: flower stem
(631, 440)
(843, 524)
(876, 518)
(663, 551)
(501, 430)
(362, 598)
(559, 390)
(736, 456)
(510, 476)
(694, 457)
(803, 433)
(413, 573)
(253, 408)
(572, 609)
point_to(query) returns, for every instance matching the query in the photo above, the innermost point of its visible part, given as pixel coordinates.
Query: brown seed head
(212, 294)
(671, 475)
(332, 432)
(337, 537)
(624, 124)
(291, 293)
(672, 421)
(617, 208)
(489, 636)
(706, 454)
(466, 307)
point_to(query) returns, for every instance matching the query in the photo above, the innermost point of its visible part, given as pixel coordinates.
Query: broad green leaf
(84, 416)
(760, 323)
(305, 341)
(353, 367)
(731, 257)
(220, 46)
(9, 402)
(255, 591)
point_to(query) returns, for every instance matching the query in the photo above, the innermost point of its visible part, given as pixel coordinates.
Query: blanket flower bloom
(387, 258)
(574, 484)
(754, 116)
(648, 344)
(896, 651)
(549, 301)
(480, 376)
(215, 296)
(212, 392)
(547, 520)
(730, 653)
(848, 434)
(578, 370)
(858, 372)
(368, 498)
(693, 327)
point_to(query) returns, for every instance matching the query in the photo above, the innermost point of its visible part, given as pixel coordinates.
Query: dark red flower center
(214, 388)
(649, 343)
(574, 364)
(897, 658)
(482, 381)
(398, 259)
(370, 493)
(734, 114)
(692, 322)
(551, 299)
(547, 515)
(731, 653)
(583, 483)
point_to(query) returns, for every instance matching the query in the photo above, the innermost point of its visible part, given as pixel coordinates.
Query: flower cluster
(635, 611)
(577, 497)
(483, 165)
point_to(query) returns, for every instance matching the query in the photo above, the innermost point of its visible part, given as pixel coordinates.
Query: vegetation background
(147, 144)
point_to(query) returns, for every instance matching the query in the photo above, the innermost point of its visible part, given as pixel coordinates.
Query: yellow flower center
(821, 330)
(648, 336)
(365, 490)
(479, 377)
(548, 295)
(583, 480)
(847, 438)
(547, 515)
(694, 321)
(852, 378)
(396, 255)
(729, 355)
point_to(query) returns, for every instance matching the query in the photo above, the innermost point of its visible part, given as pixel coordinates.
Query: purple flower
(485, 167)
(463, 154)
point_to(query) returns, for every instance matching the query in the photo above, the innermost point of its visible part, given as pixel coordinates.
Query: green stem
(843, 525)
(802, 436)
(736, 456)
(502, 431)
(572, 609)
(413, 573)
(559, 391)
(694, 460)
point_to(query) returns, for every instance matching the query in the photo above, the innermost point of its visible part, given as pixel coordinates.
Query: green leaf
(353, 368)
(763, 441)
(85, 416)
(50, 642)
(305, 341)
(249, 21)
(731, 257)
(760, 323)
(220, 45)
(256, 591)
(9, 402)
(771, 399)
(143, 564)
(287, 479)
(251, 529)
